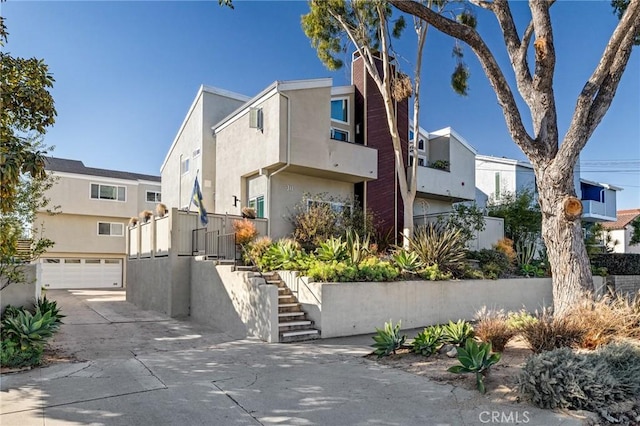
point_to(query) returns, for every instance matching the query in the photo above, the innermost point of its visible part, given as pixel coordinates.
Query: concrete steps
(293, 324)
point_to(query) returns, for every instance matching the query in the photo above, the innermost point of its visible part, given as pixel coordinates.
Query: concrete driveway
(143, 368)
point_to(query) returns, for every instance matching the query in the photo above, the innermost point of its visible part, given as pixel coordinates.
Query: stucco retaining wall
(22, 294)
(160, 284)
(344, 309)
(235, 302)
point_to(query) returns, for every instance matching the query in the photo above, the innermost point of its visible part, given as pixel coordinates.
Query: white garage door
(81, 273)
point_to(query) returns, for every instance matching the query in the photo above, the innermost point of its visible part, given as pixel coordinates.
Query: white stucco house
(498, 176)
(308, 137)
(89, 231)
(621, 231)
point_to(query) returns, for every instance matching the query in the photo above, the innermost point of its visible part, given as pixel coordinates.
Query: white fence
(181, 232)
(493, 231)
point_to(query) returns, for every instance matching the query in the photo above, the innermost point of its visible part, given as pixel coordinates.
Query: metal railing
(198, 241)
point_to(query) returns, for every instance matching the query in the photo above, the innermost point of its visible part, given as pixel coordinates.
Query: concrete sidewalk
(143, 368)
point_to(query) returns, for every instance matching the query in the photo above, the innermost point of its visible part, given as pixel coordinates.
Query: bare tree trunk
(407, 227)
(563, 238)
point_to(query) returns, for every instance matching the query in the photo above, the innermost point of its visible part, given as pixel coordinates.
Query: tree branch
(577, 136)
(483, 4)
(517, 54)
(592, 105)
(543, 111)
(488, 62)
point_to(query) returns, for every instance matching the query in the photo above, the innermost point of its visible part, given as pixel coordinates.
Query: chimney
(382, 196)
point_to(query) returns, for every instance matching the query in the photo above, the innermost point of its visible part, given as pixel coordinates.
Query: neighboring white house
(496, 177)
(89, 232)
(621, 231)
(307, 137)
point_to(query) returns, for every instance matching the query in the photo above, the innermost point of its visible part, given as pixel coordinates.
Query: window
(422, 161)
(72, 261)
(154, 197)
(497, 191)
(111, 229)
(184, 166)
(196, 153)
(92, 261)
(257, 204)
(340, 110)
(112, 261)
(339, 135)
(421, 144)
(410, 135)
(335, 206)
(108, 192)
(50, 260)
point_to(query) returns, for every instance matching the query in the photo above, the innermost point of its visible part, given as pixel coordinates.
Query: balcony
(335, 159)
(595, 211)
(455, 185)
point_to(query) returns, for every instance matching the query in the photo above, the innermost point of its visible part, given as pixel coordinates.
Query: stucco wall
(208, 109)
(344, 309)
(234, 302)
(73, 194)
(160, 284)
(22, 294)
(288, 190)
(242, 151)
(79, 233)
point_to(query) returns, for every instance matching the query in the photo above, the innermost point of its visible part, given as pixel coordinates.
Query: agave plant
(43, 305)
(458, 332)
(407, 261)
(332, 249)
(357, 247)
(281, 255)
(440, 245)
(428, 341)
(28, 329)
(475, 358)
(388, 339)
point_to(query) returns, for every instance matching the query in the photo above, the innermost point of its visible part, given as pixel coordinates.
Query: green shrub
(517, 320)
(458, 332)
(332, 271)
(433, 273)
(606, 381)
(442, 246)
(428, 341)
(530, 271)
(475, 358)
(618, 263)
(494, 263)
(377, 270)
(13, 356)
(388, 339)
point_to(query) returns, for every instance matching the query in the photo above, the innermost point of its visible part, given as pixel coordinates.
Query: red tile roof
(624, 217)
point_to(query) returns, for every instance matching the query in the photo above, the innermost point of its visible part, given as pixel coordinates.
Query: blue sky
(127, 72)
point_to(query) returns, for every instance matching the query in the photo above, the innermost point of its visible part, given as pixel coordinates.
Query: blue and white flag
(196, 198)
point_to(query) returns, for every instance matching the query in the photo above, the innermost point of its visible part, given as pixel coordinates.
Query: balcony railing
(180, 233)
